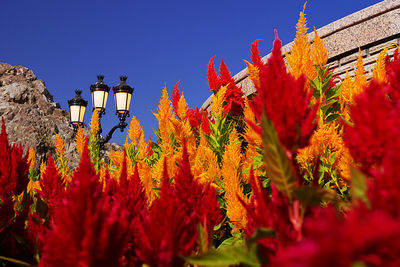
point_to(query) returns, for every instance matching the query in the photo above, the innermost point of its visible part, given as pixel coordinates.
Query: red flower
(175, 98)
(234, 95)
(255, 54)
(88, 228)
(205, 126)
(372, 134)
(194, 117)
(372, 238)
(14, 168)
(169, 228)
(286, 101)
(51, 185)
(269, 212)
(213, 81)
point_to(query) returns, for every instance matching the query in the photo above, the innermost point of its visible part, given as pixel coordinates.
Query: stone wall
(371, 29)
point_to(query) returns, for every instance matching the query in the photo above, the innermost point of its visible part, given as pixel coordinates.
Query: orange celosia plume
(299, 58)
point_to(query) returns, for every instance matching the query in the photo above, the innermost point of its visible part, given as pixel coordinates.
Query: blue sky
(67, 43)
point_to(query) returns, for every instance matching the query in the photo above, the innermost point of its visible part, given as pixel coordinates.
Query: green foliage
(328, 96)
(234, 251)
(278, 166)
(220, 130)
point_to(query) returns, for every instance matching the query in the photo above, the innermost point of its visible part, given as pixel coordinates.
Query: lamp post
(77, 108)
(99, 90)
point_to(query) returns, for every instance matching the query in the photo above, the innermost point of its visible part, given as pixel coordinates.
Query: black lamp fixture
(77, 108)
(99, 90)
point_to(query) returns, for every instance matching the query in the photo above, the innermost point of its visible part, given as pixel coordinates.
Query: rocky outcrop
(32, 117)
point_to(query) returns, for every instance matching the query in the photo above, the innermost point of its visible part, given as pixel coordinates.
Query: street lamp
(77, 108)
(99, 90)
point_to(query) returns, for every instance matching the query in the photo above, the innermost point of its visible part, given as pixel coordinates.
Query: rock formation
(32, 117)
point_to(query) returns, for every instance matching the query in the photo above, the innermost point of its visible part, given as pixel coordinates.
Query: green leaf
(332, 117)
(278, 166)
(17, 262)
(313, 196)
(359, 186)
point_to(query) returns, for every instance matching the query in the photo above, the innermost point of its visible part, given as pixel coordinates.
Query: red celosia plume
(213, 81)
(175, 98)
(255, 54)
(285, 100)
(88, 229)
(169, 228)
(51, 186)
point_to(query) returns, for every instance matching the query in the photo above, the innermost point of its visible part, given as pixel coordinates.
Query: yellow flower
(319, 54)
(32, 159)
(43, 168)
(62, 162)
(347, 90)
(326, 137)
(379, 71)
(95, 123)
(231, 181)
(80, 140)
(60, 148)
(182, 108)
(253, 72)
(298, 58)
(251, 136)
(360, 78)
(145, 175)
(116, 158)
(217, 102)
(33, 186)
(205, 167)
(165, 115)
(135, 131)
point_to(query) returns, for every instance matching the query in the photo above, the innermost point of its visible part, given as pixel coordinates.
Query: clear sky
(67, 43)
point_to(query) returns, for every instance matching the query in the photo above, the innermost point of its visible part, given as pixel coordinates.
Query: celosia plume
(231, 180)
(175, 97)
(51, 185)
(214, 82)
(80, 140)
(217, 103)
(360, 77)
(135, 131)
(285, 102)
(93, 229)
(95, 123)
(379, 70)
(299, 58)
(319, 53)
(32, 158)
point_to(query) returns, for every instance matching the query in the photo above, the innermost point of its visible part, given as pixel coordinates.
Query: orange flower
(182, 108)
(165, 115)
(360, 77)
(253, 73)
(135, 131)
(205, 167)
(32, 159)
(298, 58)
(319, 54)
(95, 123)
(217, 102)
(231, 181)
(379, 71)
(80, 140)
